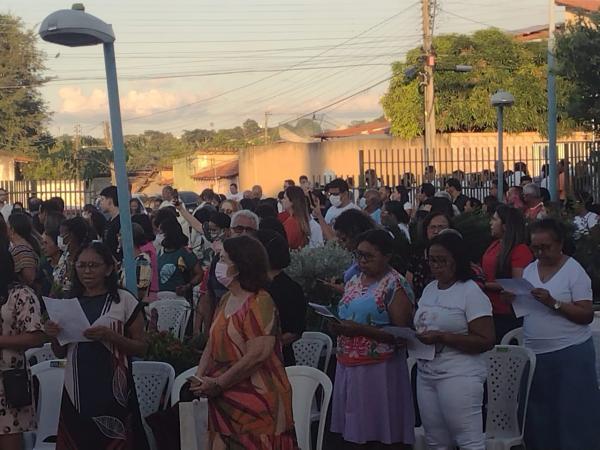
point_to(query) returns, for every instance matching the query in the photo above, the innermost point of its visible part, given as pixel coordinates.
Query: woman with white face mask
(242, 362)
(74, 234)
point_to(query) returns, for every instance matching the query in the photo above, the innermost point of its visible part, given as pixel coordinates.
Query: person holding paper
(372, 396)
(21, 329)
(564, 402)
(506, 257)
(99, 407)
(456, 316)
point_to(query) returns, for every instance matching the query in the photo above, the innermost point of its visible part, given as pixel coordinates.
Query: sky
(186, 64)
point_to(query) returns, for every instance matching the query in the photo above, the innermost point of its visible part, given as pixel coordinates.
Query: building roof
(533, 33)
(228, 169)
(587, 5)
(380, 126)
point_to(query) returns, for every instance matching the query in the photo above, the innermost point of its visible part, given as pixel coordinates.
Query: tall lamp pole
(552, 116)
(76, 28)
(500, 100)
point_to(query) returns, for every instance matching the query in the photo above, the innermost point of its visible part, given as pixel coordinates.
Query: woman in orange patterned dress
(241, 371)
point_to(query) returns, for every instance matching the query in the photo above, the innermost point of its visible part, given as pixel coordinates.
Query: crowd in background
(228, 257)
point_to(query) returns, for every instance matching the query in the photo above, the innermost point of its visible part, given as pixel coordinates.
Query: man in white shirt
(168, 194)
(234, 194)
(339, 197)
(5, 206)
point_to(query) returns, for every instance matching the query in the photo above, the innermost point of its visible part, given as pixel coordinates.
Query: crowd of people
(228, 257)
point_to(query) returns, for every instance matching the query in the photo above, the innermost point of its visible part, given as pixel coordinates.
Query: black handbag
(17, 388)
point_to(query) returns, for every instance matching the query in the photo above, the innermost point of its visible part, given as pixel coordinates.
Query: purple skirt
(373, 402)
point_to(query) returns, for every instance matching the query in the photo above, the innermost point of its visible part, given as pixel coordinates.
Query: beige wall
(184, 168)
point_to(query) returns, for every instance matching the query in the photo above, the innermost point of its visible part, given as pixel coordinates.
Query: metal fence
(474, 167)
(75, 193)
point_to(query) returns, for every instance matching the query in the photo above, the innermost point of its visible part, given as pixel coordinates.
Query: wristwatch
(556, 306)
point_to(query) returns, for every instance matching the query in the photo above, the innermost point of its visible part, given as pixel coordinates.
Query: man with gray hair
(533, 201)
(244, 222)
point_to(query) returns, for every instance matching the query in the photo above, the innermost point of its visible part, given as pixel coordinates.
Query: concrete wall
(7, 167)
(185, 168)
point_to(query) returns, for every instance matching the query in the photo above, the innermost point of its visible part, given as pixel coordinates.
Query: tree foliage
(578, 59)
(462, 100)
(23, 112)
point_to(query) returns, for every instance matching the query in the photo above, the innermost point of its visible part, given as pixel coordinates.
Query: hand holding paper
(69, 317)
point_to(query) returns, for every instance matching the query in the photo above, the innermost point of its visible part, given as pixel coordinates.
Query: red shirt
(296, 239)
(520, 257)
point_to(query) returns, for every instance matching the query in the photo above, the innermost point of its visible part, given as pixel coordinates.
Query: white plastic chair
(179, 382)
(153, 384)
(513, 336)
(37, 355)
(506, 366)
(173, 315)
(164, 295)
(327, 345)
(305, 381)
(51, 377)
(307, 351)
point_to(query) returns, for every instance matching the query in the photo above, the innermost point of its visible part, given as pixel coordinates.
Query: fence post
(361, 168)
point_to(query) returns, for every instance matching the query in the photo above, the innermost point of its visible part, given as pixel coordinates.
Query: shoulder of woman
(127, 296)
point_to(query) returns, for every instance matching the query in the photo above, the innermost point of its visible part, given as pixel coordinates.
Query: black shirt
(290, 301)
(110, 236)
(461, 201)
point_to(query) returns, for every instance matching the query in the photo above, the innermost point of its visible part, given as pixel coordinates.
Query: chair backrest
(153, 384)
(307, 351)
(327, 345)
(51, 377)
(173, 315)
(179, 382)
(305, 381)
(513, 337)
(164, 295)
(39, 354)
(508, 391)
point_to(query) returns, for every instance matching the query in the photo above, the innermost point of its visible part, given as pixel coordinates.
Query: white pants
(451, 412)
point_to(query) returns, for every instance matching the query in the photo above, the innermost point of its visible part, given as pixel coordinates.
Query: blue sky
(234, 59)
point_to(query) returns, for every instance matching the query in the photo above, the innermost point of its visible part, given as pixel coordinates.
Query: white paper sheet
(324, 311)
(524, 303)
(416, 349)
(67, 313)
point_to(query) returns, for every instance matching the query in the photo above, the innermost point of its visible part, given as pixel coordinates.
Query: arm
(516, 272)
(194, 223)
(24, 341)
(580, 312)
(289, 338)
(133, 344)
(52, 329)
(204, 360)
(27, 275)
(328, 232)
(481, 337)
(257, 351)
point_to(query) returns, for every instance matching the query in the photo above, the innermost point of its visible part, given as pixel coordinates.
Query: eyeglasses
(366, 257)
(438, 262)
(240, 229)
(92, 265)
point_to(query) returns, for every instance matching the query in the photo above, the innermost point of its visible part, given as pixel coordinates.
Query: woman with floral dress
(21, 328)
(99, 404)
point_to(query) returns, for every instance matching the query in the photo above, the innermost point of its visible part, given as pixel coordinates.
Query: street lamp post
(500, 100)
(76, 28)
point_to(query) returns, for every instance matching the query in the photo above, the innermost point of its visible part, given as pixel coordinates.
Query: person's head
(95, 270)
(206, 195)
(160, 215)
(508, 225)
(245, 260)
(74, 233)
(494, 188)
(473, 204)
(373, 252)
(277, 249)
(20, 225)
(396, 210)
(229, 207)
(304, 183)
(218, 226)
(274, 224)
(46, 207)
(288, 183)
(294, 202)
(372, 200)
(385, 192)
(514, 196)
(34, 204)
(257, 192)
(525, 180)
(427, 191)
(440, 203)
(547, 237)
(264, 210)
(18, 207)
(583, 201)
(139, 235)
(50, 244)
(490, 203)
(87, 210)
(338, 192)
(3, 196)
(233, 189)
(545, 194)
(109, 200)
(531, 195)
(60, 203)
(247, 195)
(168, 193)
(244, 222)
(453, 187)
(401, 194)
(520, 167)
(447, 258)
(174, 239)
(156, 203)
(247, 204)
(434, 224)
(144, 221)
(349, 225)
(135, 206)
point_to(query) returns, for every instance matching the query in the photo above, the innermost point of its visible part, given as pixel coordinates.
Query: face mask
(221, 274)
(159, 238)
(362, 203)
(335, 200)
(61, 244)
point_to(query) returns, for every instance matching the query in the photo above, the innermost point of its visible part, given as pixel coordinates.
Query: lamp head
(502, 99)
(75, 28)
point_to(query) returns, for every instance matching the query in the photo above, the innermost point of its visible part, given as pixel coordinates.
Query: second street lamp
(501, 100)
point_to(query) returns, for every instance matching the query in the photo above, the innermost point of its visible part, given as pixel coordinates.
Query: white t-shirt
(316, 235)
(450, 310)
(546, 330)
(583, 224)
(6, 211)
(404, 228)
(333, 212)
(237, 197)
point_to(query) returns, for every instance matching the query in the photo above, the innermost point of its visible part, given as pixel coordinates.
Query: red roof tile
(381, 126)
(588, 5)
(227, 169)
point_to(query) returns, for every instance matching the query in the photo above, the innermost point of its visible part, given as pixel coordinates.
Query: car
(190, 199)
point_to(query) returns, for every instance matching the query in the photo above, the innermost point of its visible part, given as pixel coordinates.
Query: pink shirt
(149, 248)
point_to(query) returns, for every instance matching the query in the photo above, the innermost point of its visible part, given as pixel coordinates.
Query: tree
(23, 112)
(153, 149)
(577, 51)
(462, 101)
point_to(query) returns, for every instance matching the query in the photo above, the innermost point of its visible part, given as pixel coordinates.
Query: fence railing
(75, 193)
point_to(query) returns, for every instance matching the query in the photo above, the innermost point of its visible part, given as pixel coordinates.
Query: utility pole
(428, 85)
(552, 153)
(267, 114)
(77, 138)
(108, 145)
